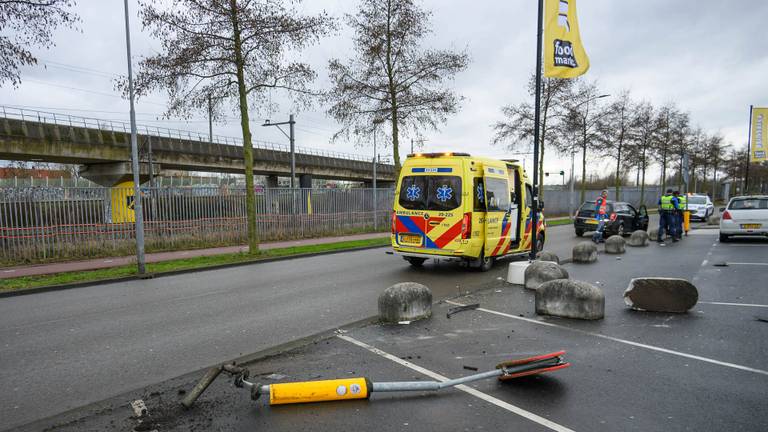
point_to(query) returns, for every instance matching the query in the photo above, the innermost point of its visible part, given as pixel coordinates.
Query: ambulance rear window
(438, 193)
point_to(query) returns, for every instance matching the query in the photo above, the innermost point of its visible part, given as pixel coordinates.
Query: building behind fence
(55, 223)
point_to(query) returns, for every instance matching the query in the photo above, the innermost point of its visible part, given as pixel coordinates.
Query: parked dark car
(624, 218)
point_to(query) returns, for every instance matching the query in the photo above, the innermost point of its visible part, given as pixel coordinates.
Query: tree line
(227, 56)
(578, 120)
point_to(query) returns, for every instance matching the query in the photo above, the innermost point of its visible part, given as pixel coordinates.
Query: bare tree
(662, 143)
(641, 133)
(391, 77)
(518, 125)
(583, 114)
(615, 132)
(232, 51)
(27, 24)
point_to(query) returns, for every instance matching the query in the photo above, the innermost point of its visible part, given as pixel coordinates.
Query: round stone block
(548, 256)
(657, 294)
(638, 238)
(615, 245)
(406, 301)
(570, 299)
(543, 271)
(585, 252)
(653, 234)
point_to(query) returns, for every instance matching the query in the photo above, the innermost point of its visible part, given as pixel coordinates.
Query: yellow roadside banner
(564, 55)
(758, 143)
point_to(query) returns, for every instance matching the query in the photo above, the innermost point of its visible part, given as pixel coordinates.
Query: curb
(21, 292)
(186, 379)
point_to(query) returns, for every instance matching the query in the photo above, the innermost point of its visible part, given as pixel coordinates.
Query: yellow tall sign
(758, 145)
(564, 55)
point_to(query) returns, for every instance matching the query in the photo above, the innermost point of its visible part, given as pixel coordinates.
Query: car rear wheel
(620, 230)
(486, 263)
(579, 232)
(415, 261)
(724, 238)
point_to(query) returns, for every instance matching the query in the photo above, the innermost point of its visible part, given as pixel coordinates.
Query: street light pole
(291, 122)
(137, 210)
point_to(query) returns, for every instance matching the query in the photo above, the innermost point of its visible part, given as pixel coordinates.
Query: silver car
(744, 216)
(700, 206)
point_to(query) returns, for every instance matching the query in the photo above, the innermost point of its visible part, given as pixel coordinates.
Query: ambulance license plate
(410, 239)
(751, 226)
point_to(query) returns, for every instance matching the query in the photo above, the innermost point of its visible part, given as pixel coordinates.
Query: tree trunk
(392, 93)
(642, 180)
(583, 188)
(250, 197)
(617, 184)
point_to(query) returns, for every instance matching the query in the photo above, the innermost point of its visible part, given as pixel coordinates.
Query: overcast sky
(707, 56)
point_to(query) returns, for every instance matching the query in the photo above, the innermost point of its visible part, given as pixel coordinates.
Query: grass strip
(27, 282)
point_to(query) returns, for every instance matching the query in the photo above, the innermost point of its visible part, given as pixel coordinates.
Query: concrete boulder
(543, 271)
(406, 301)
(713, 220)
(657, 294)
(570, 299)
(638, 238)
(653, 234)
(585, 252)
(615, 245)
(548, 256)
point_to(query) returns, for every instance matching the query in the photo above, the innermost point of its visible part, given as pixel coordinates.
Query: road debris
(139, 408)
(761, 319)
(472, 368)
(457, 309)
(361, 388)
(720, 264)
(209, 377)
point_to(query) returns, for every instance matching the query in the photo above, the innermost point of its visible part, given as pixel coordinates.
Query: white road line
(624, 341)
(756, 264)
(735, 304)
(704, 263)
(476, 393)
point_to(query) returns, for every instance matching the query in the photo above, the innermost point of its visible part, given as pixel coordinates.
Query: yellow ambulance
(453, 205)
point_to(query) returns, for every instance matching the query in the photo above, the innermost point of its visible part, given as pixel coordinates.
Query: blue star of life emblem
(480, 195)
(444, 193)
(413, 192)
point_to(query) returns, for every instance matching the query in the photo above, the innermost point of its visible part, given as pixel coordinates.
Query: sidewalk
(100, 263)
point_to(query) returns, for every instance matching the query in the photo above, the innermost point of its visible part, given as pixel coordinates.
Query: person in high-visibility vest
(601, 214)
(668, 206)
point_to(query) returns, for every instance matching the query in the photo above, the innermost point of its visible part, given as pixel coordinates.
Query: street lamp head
(266, 122)
(603, 96)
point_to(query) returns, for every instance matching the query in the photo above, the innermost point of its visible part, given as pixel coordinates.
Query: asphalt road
(65, 349)
(631, 371)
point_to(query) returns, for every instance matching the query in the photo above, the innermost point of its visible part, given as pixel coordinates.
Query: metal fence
(50, 223)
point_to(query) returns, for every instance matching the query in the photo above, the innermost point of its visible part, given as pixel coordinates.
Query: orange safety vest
(603, 205)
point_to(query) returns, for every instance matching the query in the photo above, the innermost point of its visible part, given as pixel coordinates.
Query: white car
(744, 216)
(700, 206)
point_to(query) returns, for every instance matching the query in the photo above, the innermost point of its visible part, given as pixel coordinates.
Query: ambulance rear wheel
(416, 262)
(486, 263)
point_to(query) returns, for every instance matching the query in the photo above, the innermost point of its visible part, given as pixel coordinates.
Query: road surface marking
(476, 393)
(8, 271)
(624, 341)
(757, 264)
(735, 304)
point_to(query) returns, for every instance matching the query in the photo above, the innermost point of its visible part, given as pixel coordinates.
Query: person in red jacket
(601, 214)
